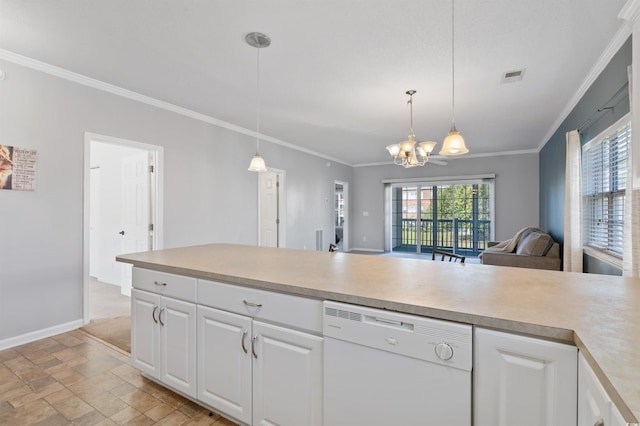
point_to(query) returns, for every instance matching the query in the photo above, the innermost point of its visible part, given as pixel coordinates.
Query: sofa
(530, 248)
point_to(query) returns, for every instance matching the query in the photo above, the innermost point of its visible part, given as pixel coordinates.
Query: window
(604, 178)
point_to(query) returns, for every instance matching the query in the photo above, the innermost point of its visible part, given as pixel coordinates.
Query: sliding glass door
(453, 217)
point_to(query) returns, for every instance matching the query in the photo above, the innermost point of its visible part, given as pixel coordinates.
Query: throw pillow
(535, 244)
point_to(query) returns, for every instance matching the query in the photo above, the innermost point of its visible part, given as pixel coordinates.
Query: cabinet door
(224, 362)
(593, 402)
(178, 342)
(145, 333)
(287, 377)
(523, 381)
(616, 417)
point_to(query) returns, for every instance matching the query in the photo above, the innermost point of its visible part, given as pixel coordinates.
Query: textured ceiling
(334, 79)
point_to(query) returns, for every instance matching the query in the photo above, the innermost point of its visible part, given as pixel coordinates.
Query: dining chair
(446, 255)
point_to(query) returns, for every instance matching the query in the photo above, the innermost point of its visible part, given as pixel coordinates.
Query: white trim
(608, 131)
(158, 202)
(603, 257)
(621, 36)
(118, 91)
(630, 11)
(442, 179)
(12, 342)
(368, 250)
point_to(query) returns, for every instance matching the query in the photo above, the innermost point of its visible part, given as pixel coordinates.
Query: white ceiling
(334, 79)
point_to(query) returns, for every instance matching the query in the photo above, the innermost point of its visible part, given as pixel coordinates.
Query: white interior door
(270, 203)
(135, 231)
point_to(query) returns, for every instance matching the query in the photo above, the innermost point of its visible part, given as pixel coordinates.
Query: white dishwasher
(385, 368)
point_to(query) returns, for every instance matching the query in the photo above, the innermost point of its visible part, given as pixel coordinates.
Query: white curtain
(631, 258)
(572, 260)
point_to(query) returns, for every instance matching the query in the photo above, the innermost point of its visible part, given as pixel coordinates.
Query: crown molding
(630, 11)
(621, 36)
(134, 96)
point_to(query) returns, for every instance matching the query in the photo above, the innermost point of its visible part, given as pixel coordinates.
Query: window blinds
(604, 175)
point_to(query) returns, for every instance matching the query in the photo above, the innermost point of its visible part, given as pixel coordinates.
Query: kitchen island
(598, 314)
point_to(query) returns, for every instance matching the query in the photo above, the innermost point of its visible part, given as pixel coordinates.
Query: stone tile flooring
(76, 379)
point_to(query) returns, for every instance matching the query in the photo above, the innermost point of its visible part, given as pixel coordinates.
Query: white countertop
(598, 313)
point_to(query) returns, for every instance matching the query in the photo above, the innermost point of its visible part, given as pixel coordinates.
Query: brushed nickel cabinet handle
(153, 314)
(160, 317)
(252, 304)
(159, 283)
(244, 335)
(253, 346)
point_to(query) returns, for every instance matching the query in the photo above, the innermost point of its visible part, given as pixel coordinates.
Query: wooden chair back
(446, 255)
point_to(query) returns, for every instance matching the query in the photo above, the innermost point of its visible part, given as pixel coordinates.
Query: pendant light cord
(258, 102)
(453, 67)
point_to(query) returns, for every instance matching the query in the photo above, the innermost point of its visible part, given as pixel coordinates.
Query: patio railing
(457, 235)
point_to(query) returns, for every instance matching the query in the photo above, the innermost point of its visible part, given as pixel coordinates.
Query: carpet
(116, 331)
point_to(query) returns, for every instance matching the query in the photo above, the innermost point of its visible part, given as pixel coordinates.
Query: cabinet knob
(599, 422)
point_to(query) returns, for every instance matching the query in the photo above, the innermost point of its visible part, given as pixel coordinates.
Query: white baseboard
(366, 249)
(39, 334)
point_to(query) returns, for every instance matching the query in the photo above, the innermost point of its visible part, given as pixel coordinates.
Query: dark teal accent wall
(609, 90)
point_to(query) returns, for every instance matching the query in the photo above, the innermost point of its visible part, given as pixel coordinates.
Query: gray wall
(209, 196)
(516, 193)
(611, 81)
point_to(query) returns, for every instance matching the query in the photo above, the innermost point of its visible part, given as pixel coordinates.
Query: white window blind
(604, 176)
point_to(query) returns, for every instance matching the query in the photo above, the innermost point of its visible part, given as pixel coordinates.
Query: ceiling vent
(511, 76)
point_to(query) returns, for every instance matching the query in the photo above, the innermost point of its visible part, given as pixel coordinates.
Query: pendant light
(407, 154)
(259, 41)
(454, 143)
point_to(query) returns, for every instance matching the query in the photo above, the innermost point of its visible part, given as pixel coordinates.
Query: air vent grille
(340, 313)
(511, 76)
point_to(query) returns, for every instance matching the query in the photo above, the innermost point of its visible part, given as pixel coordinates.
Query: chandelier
(259, 41)
(407, 154)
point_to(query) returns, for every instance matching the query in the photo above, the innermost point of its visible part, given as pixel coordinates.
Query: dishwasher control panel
(428, 339)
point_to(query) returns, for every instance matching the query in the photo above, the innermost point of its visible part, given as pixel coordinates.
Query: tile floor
(76, 379)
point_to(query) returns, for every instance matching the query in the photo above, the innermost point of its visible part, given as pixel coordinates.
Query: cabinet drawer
(294, 311)
(176, 286)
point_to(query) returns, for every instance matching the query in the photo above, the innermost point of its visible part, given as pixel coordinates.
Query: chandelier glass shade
(259, 41)
(409, 153)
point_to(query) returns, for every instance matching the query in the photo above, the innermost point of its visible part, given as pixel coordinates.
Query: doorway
(340, 216)
(271, 211)
(122, 214)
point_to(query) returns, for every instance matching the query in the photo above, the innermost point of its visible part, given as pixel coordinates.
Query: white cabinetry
(253, 370)
(224, 362)
(523, 381)
(163, 328)
(594, 405)
(287, 377)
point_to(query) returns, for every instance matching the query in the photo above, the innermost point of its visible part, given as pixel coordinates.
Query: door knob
(121, 232)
